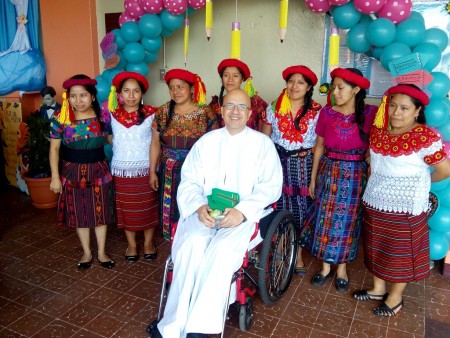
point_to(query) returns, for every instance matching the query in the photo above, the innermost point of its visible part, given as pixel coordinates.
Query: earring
(142, 101)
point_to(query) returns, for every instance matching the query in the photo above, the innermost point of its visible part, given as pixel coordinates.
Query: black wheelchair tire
(246, 315)
(271, 290)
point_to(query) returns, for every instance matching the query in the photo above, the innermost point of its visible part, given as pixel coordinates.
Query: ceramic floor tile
(106, 324)
(363, 329)
(341, 306)
(326, 322)
(81, 314)
(12, 312)
(36, 296)
(57, 305)
(31, 323)
(57, 329)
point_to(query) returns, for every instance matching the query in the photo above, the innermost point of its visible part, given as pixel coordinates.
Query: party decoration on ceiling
(236, 40)
(333, 56)
(209, 18)
(284, 7)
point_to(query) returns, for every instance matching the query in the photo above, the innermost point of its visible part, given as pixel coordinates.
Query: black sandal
(363, 295)
(385, 311)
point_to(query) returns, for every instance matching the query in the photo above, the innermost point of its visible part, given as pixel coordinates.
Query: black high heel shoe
(107, 265)
(84, 265)
(151, 256)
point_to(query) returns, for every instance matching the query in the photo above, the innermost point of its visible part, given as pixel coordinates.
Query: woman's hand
(233, 217)
(56, 185)
(153, 181)
(312, 189)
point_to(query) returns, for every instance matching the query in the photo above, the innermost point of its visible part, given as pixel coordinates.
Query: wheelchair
(272, 253)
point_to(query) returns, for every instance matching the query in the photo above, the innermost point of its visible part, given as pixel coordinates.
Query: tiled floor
(42, 294)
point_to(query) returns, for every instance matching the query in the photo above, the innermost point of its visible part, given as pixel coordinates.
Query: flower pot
(41, 195)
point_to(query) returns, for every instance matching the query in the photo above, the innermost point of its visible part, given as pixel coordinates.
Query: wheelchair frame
(274, 258)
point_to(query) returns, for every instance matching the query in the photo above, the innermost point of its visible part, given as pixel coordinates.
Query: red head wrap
(410, 91)
(351, 77)
(193, 79)
(79, 82)
(305, 71)
(234, 63)
(121, 77)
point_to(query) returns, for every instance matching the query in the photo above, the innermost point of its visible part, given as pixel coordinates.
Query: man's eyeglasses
(230, 107)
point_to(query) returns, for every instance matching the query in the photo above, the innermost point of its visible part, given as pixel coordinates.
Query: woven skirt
(396, 245)
(333, 223)
(87, 197)
(136, 203)
(297, 168)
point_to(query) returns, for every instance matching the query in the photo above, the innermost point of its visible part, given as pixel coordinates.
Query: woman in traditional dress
(178, 124)
(83, 179)
(136, 203)
(291, 121)
(395, 203)
(339, 175)
(233, 73)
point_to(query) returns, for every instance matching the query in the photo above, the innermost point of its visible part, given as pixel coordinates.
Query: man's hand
(233, 217)
(204, 217)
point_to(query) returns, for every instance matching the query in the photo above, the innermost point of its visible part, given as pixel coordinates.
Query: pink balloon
(176, 7)
(152, 6)
(338, 2)
(124, 17)
(369, 6)
(396, 10)
(197, 4)
(318, 6)
(134, 8)
(447, 148)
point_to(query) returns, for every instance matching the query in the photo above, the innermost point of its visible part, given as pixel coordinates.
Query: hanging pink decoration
(318, 6)
(369, 6)
(152, 6)
(124, 17)
(396, 11)
(133, 8)
(338, 2)
(176, 7)
(197, 4)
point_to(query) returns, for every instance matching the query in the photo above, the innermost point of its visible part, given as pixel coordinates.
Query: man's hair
(48, 90)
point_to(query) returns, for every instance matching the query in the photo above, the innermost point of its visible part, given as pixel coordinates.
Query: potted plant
(36, 155)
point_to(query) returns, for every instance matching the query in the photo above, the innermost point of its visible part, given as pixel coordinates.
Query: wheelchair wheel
(246, 315)
(278, 256)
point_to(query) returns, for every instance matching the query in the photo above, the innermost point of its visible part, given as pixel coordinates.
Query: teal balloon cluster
(138, 44)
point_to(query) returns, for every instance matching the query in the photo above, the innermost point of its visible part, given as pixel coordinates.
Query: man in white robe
(234, 158)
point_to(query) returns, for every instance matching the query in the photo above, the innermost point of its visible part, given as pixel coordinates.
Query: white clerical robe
(205, 259)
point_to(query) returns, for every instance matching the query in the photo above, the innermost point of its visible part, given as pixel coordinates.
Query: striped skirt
(296, 177)
(333, 222)
(87, 197)
(396, 245)
(170, 176)
(136, 203)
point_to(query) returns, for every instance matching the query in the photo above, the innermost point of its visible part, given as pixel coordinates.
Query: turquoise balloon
(441, 185)
(436, 113)
(381, 32)
(107, 75)
(376, 52)
(122, 62)
(103, 88)
(118, 39)
(150, 57)
(150, 25)
(444, 130)
(439, 86)
(134, 52)
(410, 32)
(438, 37)
(171, 21)
(440, 221)
(444, 197)
(416, 16)
(140, 68)
(438, 245)
(430, 54)
(153, 44)
(356, 38)
(345, 16)
(130, 32)
(166, 32)
(190, 10)
(393, 51)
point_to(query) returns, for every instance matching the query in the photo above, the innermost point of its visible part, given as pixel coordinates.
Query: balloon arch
(383, 29)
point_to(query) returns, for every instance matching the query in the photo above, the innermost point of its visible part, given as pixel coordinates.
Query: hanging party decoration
(209, 18)
(284, 6)
(152, 6)
(134, 8)
(236, 40)
(197, 4)
(333, 55)
(368, 6)
(345, 16)
(186, 39)
(175, 7)
(396, 11)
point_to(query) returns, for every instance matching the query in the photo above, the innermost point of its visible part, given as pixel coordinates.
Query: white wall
(260, 45)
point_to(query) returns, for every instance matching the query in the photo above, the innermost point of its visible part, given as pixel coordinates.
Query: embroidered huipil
(400, 177)
(284, 132)
(129, 159)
